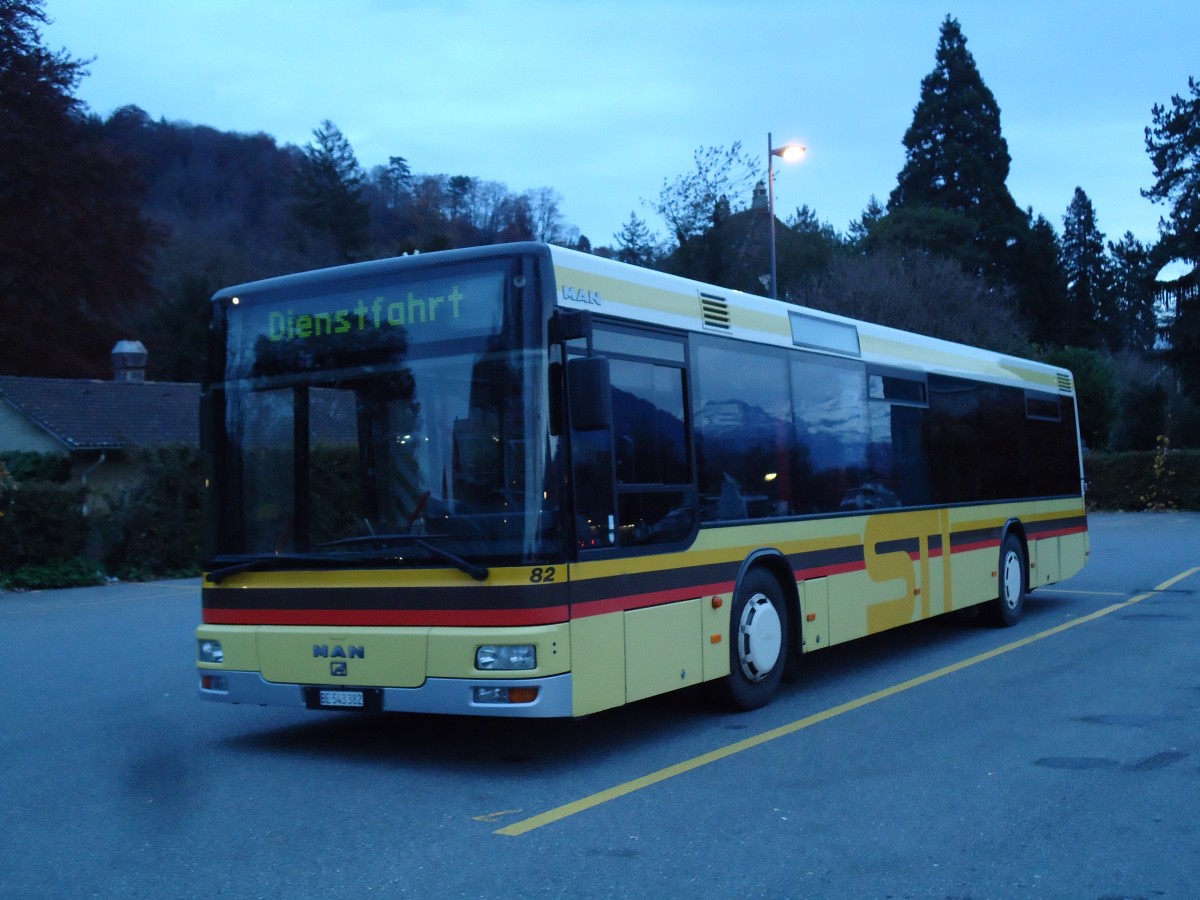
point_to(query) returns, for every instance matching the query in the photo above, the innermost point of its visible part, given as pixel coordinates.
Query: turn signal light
(489, 694)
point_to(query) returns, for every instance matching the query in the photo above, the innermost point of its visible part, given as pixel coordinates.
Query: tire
(758, 628)
(1012, 584)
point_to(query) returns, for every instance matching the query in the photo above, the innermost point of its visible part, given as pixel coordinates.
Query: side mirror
(589, 393)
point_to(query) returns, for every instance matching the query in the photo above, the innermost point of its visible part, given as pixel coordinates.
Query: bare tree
(920, 293)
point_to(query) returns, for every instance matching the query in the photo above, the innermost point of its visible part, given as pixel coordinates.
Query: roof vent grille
(714, 311)
(1064, 383)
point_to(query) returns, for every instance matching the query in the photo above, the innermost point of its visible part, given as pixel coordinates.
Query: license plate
(341, 699)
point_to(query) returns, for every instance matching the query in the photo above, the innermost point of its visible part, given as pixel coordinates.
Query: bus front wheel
(757, 642)
(1006, 609)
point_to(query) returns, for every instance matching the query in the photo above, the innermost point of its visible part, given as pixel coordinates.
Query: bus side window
(655, 501)
(743, 421)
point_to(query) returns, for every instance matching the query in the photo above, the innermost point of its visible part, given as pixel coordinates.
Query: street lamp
(788, 153)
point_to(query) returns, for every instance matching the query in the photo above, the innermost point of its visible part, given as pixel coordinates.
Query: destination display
(298, 332)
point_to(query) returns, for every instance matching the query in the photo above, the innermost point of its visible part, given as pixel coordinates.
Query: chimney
(129, 361)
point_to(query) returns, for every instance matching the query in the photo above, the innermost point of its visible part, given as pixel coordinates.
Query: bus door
(633, 472)
(634, 495)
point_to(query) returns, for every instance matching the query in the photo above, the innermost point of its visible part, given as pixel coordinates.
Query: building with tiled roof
(96, 423)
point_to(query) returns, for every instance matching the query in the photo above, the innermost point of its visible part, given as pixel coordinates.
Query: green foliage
(1095, 388)
(1041, 285)
(1173, 142)
(1093, 320)
(1144, 480)
(68, 573)
(64, 195)
(157, 529)
(24, 465)
(957, 161)
(1133, 269)
(1141, 416)
(1183, 421)
(948, 233)
(1185, 344)
(635, 243)
(330, 195)
(918, 293)
(41, 524)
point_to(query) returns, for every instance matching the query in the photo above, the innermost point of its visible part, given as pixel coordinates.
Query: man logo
(337, 651)
(337, 668)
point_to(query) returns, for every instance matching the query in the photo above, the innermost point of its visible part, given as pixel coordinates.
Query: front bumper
(453, 696)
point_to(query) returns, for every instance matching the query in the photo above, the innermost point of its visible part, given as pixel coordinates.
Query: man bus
(521, 480)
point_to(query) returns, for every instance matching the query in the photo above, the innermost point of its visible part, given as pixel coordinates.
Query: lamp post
(788, 153)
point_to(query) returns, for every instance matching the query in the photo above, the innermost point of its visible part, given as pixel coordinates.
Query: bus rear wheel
(758, 630)
(1012, 585)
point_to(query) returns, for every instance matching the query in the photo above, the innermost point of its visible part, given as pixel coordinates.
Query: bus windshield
(383, 420)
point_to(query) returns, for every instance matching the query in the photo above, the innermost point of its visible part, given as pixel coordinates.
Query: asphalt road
(1059, 758)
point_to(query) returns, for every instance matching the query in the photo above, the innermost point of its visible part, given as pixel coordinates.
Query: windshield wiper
(479, 573)
(259, 562)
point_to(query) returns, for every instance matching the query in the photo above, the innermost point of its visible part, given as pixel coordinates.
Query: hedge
(43, 535)
(1145, 479)
(153, 532)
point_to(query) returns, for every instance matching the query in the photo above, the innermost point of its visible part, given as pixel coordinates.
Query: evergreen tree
(1133, 271)
(457, 190)
(396, 181)
(1093, 321)
(860, 229)
(635, 243)
(329, 192)
(956, 162)
(1173, 143)
(804, 249)
(74, 246)
(1041, 285)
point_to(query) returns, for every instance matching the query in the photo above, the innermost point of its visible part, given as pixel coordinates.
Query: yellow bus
(522, 480)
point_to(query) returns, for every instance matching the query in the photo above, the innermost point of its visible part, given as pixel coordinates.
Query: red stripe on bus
(1059, 532)
(834, 569)
(642, 601)
(976, 545)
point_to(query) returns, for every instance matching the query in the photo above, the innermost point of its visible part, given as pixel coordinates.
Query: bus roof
(630, 292)
(608, 287)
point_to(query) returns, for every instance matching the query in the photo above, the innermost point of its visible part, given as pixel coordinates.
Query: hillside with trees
(124, 226)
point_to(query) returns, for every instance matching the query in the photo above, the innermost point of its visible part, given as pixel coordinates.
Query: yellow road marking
(569, 809)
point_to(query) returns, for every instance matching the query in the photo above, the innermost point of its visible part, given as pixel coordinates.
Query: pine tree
(1041, 285)
(635, 243)
(860, 228)
(1133, 271)
(396, 181)
(1093, 316)
(956, 162)
(329, 192)
(1173, 143)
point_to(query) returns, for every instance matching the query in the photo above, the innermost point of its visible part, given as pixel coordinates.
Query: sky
(606, 101)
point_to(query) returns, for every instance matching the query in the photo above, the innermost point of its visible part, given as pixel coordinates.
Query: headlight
(210, 651)
(505, 657)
